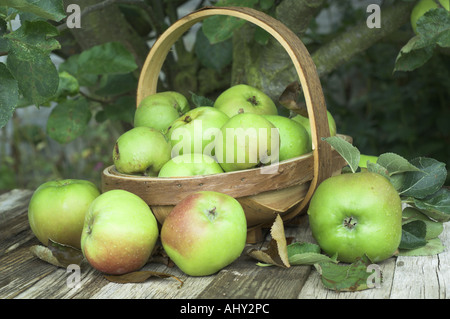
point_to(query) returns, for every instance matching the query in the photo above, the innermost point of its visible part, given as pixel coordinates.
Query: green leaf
(198, 100)
(47, 9)
(214, 56)
(425, 182)
(348, 152)
(9, 95)
(37, 35)
(29, 60)
(108, 58)
(4, 45)
(433, 247)
(68, 85)
(121, 110)
(433, 29)
(436, 206)
(220, 28)
(345, 277)
(433, 228)
(395, 164)
(303, 253)
(68, 120)
(413, 235)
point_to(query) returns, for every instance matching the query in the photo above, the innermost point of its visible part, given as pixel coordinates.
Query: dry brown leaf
(140, 276)
(58, 254)
(45, 254)
(289, 99)
(276, 253)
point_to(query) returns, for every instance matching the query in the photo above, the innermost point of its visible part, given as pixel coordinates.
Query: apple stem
(187, 119)
(348, 222)
(253, 100)
(212, 214)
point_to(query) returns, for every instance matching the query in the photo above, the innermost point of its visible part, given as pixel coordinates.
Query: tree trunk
(105, 25)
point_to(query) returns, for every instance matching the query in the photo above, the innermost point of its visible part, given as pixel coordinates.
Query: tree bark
(360, 38)
(270, 68)
(105, 25)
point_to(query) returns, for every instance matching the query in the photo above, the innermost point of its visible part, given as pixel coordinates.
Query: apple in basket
(243, 98)
(119, 232)
(57, 210)
(294, 139)
(195, 131)
(204, 233)
(193, 164)
(159, 110)
(141, 150)
(247, 141)
(307, 125)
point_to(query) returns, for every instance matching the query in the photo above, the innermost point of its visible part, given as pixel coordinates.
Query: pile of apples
(242, 130)
(117, 231)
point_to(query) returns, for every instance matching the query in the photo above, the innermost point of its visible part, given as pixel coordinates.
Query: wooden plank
(425, 277)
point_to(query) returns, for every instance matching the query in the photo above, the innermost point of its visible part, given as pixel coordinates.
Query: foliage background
(80, 97)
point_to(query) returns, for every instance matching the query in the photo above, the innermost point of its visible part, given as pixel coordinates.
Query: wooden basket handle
(301, 59)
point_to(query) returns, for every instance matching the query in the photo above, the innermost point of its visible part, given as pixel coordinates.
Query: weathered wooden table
(24, 276)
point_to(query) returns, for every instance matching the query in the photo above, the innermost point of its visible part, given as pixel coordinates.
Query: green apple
(294, 139)
(356, 214)
(196, 130)
(141, 150)
(363, 159)
(190, 164)
(119, 232)
(159, 110)
(57, 210)
(243, 98)
(307, 125)
(423, 6)
(247, 140)
(204, 233)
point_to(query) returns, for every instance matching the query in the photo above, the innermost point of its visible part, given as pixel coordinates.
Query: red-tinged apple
(356, 214)
(57, 210)
(243, 98)
(141, 150)
(294, 139)
(247, 141)
(119, 233)
(191, 164)
(159, 110)
(195, 131)
(204, 233)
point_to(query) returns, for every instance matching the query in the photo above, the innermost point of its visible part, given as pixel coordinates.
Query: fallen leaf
(345, 277)
(276, 252)
(58, 254)
(140, 276)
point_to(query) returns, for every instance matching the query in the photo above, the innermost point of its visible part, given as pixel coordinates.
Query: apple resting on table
(57, 210)
(355, 214)
(204, 233)
(119, 233)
